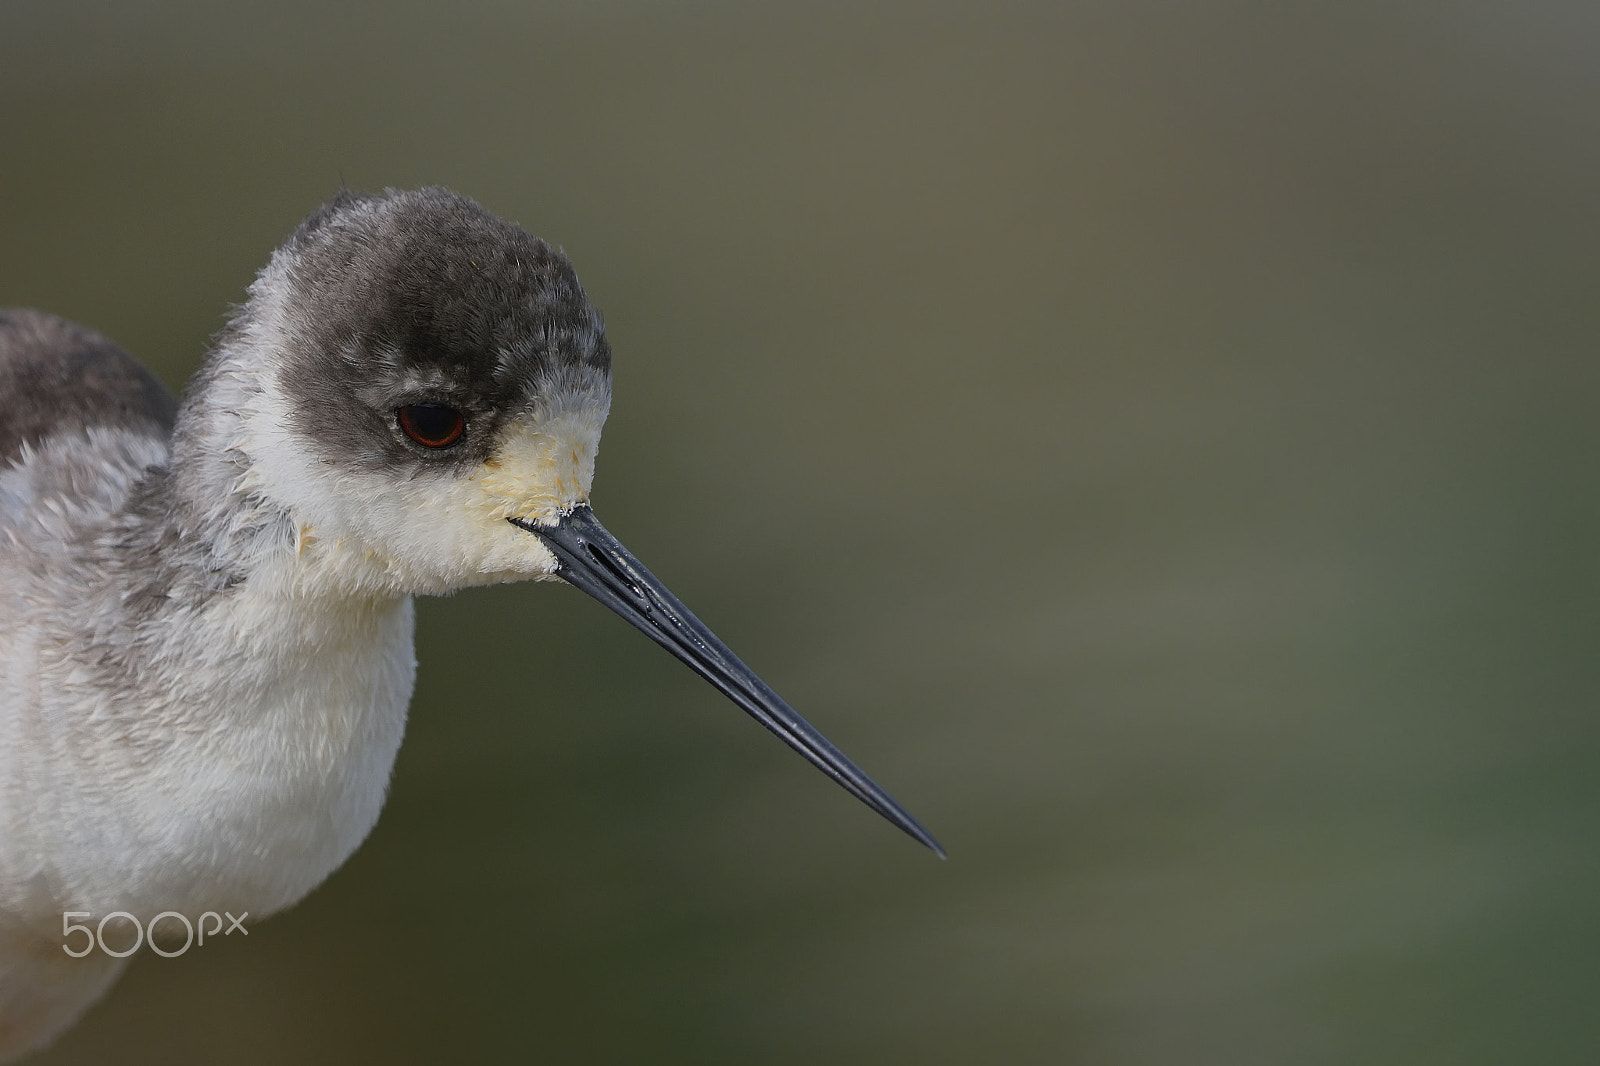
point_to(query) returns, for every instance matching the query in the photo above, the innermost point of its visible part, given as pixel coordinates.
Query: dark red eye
(431, 424)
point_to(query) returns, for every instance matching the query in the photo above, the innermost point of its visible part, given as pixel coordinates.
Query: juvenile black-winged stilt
(205, 610)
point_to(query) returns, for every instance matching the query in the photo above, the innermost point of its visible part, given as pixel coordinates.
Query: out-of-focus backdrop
(1157, 441)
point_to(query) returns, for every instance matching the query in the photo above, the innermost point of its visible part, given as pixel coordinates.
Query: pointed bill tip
(591, 559)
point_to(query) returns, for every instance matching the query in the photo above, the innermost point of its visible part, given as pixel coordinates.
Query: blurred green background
(1156, 440)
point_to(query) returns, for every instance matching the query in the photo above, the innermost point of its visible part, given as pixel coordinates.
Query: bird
(206, 607)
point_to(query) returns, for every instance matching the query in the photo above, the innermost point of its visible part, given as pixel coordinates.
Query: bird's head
(430, 372)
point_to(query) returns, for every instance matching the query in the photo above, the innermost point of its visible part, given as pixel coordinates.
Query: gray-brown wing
(56, 376)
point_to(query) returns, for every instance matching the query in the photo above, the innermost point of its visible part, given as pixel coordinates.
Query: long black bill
(597, 563)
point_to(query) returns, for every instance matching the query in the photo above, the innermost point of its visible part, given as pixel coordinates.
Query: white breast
(238, 772)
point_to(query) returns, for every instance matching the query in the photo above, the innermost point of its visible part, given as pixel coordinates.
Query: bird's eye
(432, 425)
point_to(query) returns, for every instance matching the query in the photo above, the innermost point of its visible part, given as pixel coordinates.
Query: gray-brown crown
(423, 296)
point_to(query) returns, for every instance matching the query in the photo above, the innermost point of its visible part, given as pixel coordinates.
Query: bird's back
(82, 420)
(60, 378)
